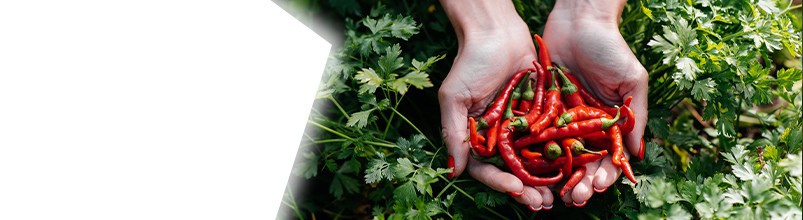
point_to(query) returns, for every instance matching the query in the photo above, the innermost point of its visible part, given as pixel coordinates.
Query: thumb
(454, 127)
(639, 106)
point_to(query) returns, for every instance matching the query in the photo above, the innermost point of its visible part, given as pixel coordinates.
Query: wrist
(472, 19)
(602, 12)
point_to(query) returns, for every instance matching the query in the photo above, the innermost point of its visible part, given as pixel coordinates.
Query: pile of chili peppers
(552, 128)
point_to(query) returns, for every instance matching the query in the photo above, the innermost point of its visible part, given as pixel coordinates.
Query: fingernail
(600, 190)
(533, 208)
(515, 194)
(547, 207)
(641, 148)
(451, 165)
(581, 204)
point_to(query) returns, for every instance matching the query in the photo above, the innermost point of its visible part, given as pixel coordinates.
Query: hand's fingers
(497, 179)
(531, 198)
(567, 198)
(582, 192)
(639, 106)
(606, 174)
(546, 196)
(454, 122)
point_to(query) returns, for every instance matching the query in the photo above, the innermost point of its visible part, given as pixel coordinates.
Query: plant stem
(381, 144)
(731, 36)
(328, 141)
(789, 8)
(330, 130)
(294, 206)
(414, 127)
(339, 107)
(472, 199)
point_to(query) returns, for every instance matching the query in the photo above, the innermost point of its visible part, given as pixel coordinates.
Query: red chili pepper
(543, 52)
(587, 96)
(552, 104)
(567, 147)
(641, 150)
(580, 113)
(538, 101)
(479, 149)
(542, 165)
(630, 117)
(514, 162)
(527, 96)
(628, 171)
(595, 135)
(570, 91)
(573, 129)
(618, 153)
(615, 136)
(518, 112)
(494, 111)
(600, 143)
(527, 153)
(573, 180)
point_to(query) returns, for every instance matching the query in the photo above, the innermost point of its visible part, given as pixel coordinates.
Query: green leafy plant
(724, 118)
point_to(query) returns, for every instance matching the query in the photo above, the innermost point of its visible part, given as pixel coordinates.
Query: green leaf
(342, 182)
(403, 27)
(418, 79)
(703, 89)
(793, 164)
(412, 148)
(391, 61)
(787, 77)
(405, 192)
(378, 169)
(744, 171)
(403, 168)
(676, 39)
(308, 167)
(676, 212)
(658, 127)
(646, 10)
(423, 66)
(359, 119)
(423, 179)
(377, 26)
(489, 199)
(369, 79)
(688, 72)
(661, 192)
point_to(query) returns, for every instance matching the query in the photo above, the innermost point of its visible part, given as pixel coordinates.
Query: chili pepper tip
(641, 148)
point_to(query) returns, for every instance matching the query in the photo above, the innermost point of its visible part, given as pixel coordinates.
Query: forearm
(471, 18)
(599, 11)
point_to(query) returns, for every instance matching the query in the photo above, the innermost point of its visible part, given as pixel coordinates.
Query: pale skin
(494, 43)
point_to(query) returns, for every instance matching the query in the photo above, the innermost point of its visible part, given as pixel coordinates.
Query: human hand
(584, 36)
(494, 43)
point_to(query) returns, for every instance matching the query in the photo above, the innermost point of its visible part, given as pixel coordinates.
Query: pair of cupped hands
(590, 46)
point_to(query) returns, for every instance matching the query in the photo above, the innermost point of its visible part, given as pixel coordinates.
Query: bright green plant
(724, 122)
